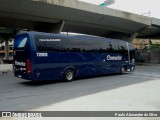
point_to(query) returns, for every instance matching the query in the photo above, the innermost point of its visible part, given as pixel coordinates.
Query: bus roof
(69, 36)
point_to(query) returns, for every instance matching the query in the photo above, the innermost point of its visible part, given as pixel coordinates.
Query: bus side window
(113, 47)
(122, 47)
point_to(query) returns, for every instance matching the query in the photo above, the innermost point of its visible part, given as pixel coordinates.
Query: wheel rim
(69, 75)
(123, 69)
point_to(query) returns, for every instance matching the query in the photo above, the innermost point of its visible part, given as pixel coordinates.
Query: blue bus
(46, 56)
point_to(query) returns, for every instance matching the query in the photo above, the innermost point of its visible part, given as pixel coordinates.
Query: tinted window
(91, 44)
(77, 44)
(20, 42)
(114, 47)
(47, 43)
(122, 48)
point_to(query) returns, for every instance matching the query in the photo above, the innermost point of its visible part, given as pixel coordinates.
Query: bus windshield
(20, 42)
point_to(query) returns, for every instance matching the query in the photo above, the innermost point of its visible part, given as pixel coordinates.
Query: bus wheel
(69, 75)
(123, 70)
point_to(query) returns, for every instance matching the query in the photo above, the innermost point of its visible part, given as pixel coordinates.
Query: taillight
(29, 68)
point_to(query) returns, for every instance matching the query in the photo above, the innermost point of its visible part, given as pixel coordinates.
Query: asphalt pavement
(137, 91)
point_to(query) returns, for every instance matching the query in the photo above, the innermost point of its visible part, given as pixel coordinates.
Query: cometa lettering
(109, 57)
(20, 63)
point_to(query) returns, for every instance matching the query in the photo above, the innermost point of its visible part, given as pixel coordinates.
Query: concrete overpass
(152, 32)
(74, 16)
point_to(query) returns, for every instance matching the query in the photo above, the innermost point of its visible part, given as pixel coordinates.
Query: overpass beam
(123, 36)
(50, 27)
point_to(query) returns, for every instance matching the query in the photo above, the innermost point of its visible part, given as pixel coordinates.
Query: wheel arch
(70, 67)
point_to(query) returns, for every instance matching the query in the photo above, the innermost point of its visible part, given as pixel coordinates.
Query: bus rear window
(20, 42)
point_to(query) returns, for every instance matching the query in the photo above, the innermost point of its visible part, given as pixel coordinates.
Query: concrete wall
(146, 56)
(155, 57)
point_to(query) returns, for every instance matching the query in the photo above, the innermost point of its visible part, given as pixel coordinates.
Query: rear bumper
(23, 76)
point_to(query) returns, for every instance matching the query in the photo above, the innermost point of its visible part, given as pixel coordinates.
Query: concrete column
(132, 36)
(59, 27)
(6, 49)
(149, 43)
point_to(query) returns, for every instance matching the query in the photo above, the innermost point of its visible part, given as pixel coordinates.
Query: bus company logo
(109, 57)
(21, 114)
(6, 114)
(20, 63)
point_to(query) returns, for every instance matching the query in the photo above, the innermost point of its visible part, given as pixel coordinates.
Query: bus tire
(69, 75)
(123, 70)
